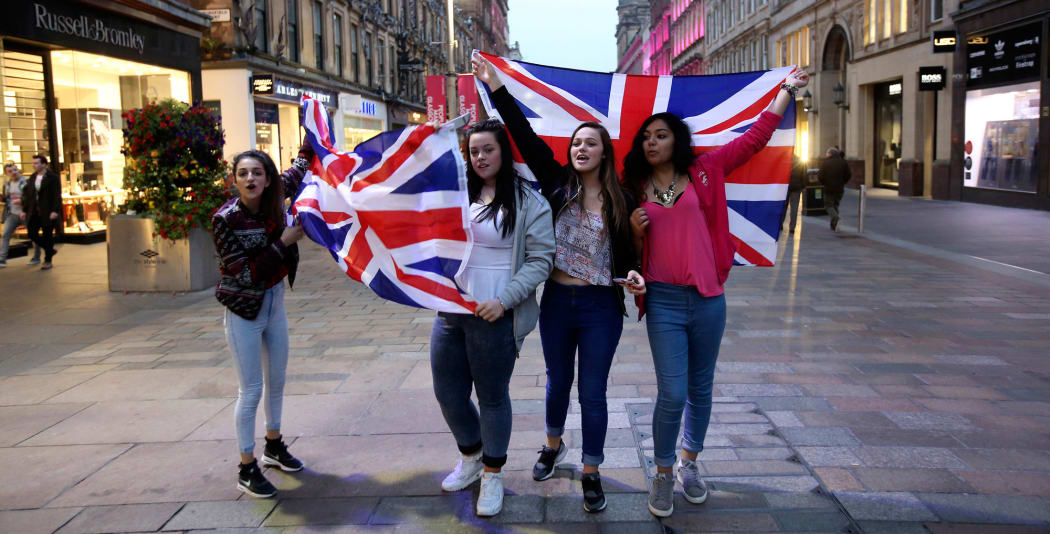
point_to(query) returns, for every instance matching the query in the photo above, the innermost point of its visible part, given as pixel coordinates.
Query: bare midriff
(567, 279)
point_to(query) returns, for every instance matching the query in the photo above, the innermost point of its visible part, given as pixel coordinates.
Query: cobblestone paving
(860, 388)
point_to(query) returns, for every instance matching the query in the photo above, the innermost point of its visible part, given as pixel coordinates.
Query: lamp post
(450, 76)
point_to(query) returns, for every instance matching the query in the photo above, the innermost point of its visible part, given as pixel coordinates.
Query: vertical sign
(436, 98)
(468, 96)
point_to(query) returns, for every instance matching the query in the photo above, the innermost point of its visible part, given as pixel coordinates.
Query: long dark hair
(636, 169)
(272, 203)
(615, 216)
(508, 184)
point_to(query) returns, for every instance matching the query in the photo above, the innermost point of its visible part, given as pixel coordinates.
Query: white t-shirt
(488, 268)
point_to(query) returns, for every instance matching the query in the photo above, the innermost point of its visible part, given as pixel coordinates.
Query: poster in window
(99, 135)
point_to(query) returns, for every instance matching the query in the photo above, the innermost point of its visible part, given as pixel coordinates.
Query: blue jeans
(469, 352)
(685, 332)
(588, 318)
(256, 372)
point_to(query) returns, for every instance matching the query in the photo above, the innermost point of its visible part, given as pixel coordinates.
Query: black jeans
(42, 232)
(469, 352)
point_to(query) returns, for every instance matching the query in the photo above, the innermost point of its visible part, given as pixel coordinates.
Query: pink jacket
(709, 181)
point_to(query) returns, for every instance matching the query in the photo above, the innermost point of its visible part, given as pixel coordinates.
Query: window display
(360, 129)
(91, 92)
(1002, 131)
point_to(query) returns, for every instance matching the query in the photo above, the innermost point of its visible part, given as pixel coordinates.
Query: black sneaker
(593, 496)
(276, 454)
(549, 458)
(251, 481)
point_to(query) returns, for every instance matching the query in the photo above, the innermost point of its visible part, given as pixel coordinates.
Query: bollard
(860, 209)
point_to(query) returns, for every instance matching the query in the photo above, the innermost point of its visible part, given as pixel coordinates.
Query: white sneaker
(466, 472)
(490, 498)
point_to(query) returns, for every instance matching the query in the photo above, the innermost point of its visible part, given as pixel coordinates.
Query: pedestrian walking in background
(582, 306)
(834, 175)
(796, 184)
(513, 252)
(13, 214)
(42, 202)
(256, 252)
(687, 252)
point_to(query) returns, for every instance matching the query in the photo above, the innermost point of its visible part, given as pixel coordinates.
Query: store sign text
(87, 28)
(932, 78)
(895, 88)
(367, 108)
(944, 41)
(1008, 56)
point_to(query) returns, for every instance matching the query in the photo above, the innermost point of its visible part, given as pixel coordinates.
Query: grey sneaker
(661, 495)
(34, 261)
(693, 486)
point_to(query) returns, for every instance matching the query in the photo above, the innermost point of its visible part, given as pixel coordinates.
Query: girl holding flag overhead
(582, 307)
(256, 252)
(687, 251)
(512, 253)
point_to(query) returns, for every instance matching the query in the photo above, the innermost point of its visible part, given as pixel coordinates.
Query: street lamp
(807, 102)
(839, 98)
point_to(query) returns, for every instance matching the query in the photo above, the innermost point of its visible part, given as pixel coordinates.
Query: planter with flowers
(174, 179)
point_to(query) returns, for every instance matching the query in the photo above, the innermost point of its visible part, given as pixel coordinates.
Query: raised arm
(736, 152)
(538, 156)
(293, 176)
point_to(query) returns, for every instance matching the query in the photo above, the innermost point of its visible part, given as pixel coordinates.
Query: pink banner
(436, 98)
(468, 96)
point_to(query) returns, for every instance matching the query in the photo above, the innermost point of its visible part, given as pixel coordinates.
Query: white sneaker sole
(271, 462)
(694, 500)
(490, 513)
(661, 513)
(464, 483)
(244, 489)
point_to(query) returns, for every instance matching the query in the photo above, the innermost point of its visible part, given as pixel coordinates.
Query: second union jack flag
(393, 212)
(717, 109)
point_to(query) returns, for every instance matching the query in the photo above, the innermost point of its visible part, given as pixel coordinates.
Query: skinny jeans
(685, 332)
(261, 373)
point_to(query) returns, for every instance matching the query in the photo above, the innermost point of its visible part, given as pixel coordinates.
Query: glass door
(889, 109)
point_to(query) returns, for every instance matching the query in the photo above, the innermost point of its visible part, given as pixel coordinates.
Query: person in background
(796, 185)
(42, 203)
(13, 215)
(257, 251)
(834, 175)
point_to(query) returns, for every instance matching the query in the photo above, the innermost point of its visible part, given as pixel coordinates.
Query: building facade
(491, 33)
(936, 98)
(365, 60)
(632, 34)
(69, 70)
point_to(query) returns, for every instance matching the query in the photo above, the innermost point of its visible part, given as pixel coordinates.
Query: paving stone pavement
(860, 388)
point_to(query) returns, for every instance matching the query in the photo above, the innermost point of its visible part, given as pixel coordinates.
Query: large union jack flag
(393, 213)
(717, 109)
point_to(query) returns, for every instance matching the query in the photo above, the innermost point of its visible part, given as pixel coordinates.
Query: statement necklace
(667, 196)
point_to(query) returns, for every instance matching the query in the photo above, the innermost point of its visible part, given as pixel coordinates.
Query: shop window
(23, 123)
(318, 24)
(869, 22)
(293, 30)
(337, 39)
(91, 92)
(360, 129)
(1002, 132)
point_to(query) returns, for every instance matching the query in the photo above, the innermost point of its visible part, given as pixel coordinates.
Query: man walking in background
(834, 175)
(42, 202)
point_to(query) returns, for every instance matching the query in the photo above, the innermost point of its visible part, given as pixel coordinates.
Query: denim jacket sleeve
(538, 240)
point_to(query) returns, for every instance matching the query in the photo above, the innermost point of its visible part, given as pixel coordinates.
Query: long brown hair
(272, 202)
(614, 205)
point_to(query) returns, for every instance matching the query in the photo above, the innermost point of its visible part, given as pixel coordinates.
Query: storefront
(69, 71)
(889, 120)
(278, 131)
(363, 118)
(1000, 120)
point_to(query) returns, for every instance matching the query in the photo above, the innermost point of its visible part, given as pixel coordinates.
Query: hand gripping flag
(717, 110)
(393, 213)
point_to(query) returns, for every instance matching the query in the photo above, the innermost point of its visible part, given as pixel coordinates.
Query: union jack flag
(717, 110)
(393, 213)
